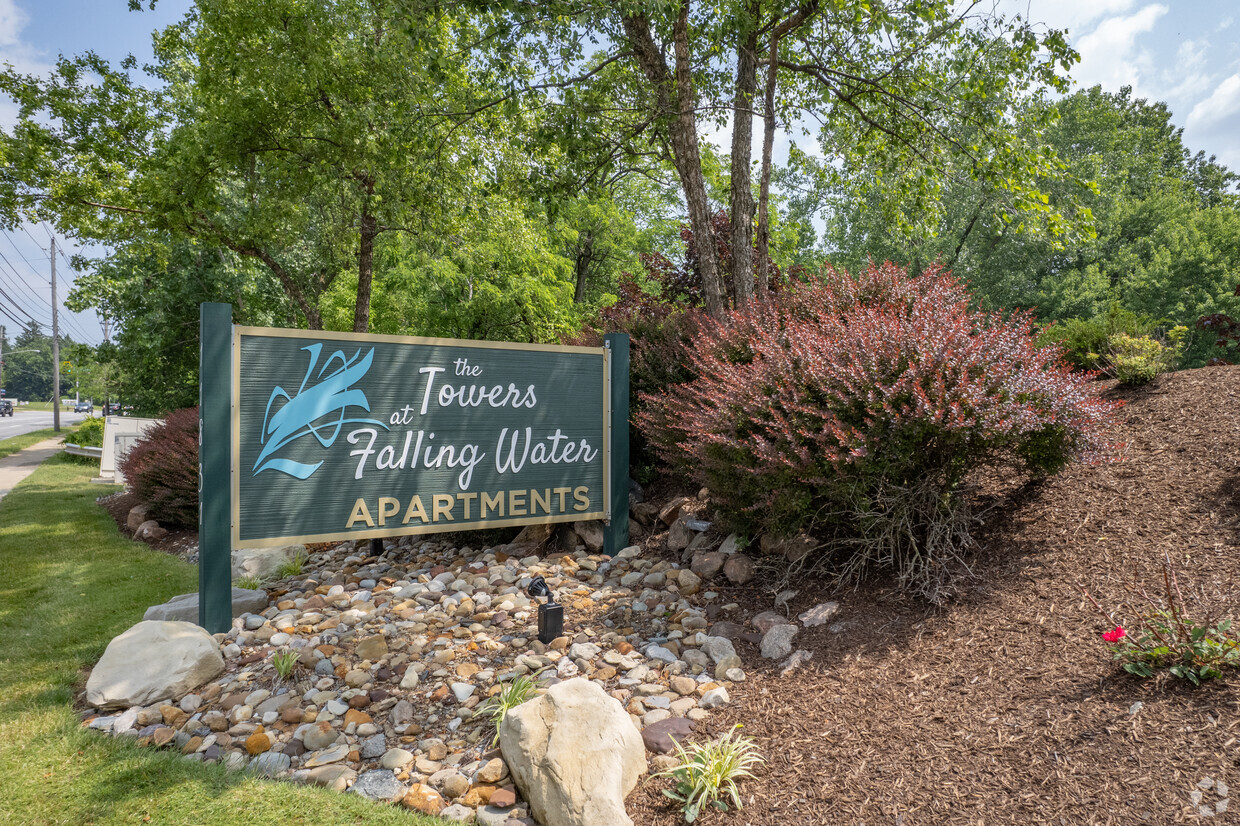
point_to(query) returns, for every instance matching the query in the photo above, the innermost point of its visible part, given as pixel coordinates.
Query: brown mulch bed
(1005, 707)
(178, 542)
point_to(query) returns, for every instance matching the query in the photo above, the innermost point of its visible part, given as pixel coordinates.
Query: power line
(23, 255)
(18, 287)
(34, 240)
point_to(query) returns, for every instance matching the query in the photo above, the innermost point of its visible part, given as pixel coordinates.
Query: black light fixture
(550, 614)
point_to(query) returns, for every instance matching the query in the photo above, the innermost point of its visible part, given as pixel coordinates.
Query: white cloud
(1109, 53)
(1072, 15)
(1220, 109)
(13, 49)
(12, 21)
(1214, 123)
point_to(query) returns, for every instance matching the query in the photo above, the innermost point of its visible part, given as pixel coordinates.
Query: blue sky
(1184, 52)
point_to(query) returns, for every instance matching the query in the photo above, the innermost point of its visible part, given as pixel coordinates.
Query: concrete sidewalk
(21, 464)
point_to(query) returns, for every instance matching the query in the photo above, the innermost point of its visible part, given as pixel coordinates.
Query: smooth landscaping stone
(574, 754)
(335, 777)
(661, 737)
(262, 563)
(185, 607)
(151, 661)
(271, 763)
(820, 614)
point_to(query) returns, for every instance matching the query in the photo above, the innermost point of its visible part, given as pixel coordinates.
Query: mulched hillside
(1005, 706)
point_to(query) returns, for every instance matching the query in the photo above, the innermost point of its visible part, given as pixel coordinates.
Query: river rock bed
(397, 652)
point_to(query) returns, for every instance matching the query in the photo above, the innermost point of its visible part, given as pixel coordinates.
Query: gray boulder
(185, 607)
(153, 661)
(263, 562)
(574, 754)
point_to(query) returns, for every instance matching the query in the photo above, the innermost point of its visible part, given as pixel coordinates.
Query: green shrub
(1086, 342)
(1164, 635)
(89, 433)
(514, 693)
(1140, 359)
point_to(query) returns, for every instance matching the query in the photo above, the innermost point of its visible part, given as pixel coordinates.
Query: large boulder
(153, 661)
(574, 753)
(591, 534)
(263, 562)
(185, 607)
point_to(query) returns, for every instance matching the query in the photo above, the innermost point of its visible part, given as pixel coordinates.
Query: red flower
(1114, 635)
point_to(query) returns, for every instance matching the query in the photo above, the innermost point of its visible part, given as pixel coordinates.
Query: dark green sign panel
(339, 435)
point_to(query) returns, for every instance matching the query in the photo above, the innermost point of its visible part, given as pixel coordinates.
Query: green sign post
(329, 436)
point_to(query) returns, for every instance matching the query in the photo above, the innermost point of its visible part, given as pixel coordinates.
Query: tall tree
(896, 78)
(292, 132)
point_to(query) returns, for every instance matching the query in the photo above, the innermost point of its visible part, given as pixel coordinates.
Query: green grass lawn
(68, 584)
(10, 446)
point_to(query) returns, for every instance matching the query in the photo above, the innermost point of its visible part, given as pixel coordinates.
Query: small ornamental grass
(513, 693)
(1165, 636)
(249, 582)
(708, 772)
(285, 662)
(292, 567)
(852, 409)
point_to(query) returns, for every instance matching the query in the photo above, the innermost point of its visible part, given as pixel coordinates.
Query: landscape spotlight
(550, 614)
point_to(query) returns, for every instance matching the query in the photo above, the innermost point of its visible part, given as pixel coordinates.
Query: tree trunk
(682, 128)
(585, 252)
(742, 151)
(804, 12)
(365, 272)
(764, 192)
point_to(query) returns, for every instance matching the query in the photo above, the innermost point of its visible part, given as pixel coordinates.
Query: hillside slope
(1006, 707)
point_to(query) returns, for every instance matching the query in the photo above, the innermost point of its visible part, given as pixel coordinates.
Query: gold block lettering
(516, 503)
(415, 509)
(495, 503)
(468, 499)
(540, 498)
(361, 513)
(388, 506)
(582, 494)
(443, 507)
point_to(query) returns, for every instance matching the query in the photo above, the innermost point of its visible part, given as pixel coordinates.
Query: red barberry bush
(852, 408)
(162, 469)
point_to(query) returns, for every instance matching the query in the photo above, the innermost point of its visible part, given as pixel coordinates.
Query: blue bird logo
(318, 410)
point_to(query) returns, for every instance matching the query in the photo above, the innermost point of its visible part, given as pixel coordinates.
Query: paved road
(24, 421)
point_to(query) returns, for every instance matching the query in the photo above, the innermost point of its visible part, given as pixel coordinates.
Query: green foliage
(249, 582)
(708, 773)
(1151, 228)
(1140, 359)
(89, 433)
(1166, 636)
(1086, 342)
(284, 662)
(513, 693)
(497, 279)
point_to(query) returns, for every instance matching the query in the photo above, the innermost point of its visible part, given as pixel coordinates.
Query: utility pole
(1, 359)
(55, 348)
